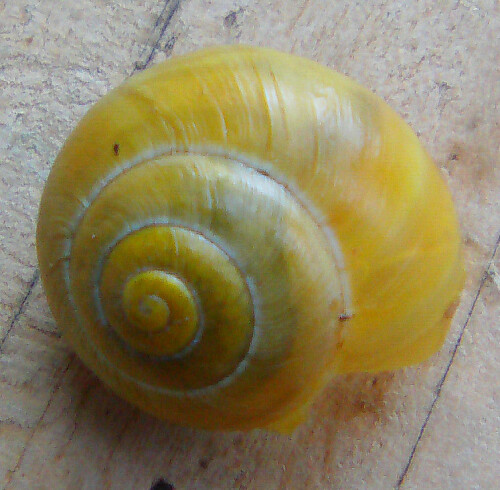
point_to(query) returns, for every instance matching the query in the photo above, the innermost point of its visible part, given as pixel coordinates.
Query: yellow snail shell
(228, 230)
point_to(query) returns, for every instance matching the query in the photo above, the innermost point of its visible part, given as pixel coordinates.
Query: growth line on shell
(244, 161)
(225, 381)
(366, 185)
(256, 165)
(131, 229)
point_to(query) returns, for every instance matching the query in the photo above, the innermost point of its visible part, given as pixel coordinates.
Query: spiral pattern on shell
(212, 234)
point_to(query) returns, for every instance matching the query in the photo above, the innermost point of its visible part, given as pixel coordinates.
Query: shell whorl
(224, 216)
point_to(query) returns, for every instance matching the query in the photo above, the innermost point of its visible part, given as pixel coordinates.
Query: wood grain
(437, 64)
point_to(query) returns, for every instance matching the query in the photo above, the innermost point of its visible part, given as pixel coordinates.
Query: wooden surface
(432, 426)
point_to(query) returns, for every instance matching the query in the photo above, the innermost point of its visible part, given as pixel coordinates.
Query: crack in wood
(106, 467)
(57, 385)
(297, 18)
(21, 307)
(49, 333)
(442, 380)
(159, 29)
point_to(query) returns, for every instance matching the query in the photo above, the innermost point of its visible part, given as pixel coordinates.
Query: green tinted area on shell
(312, 199)
(252, 282)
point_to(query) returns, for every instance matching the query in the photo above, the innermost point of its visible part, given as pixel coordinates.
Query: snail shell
(224, 232)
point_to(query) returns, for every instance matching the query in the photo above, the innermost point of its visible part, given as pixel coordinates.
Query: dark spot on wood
(162, 484)
(116, 148)
(444, 86)
(473, 164)
(231, 19)
(169, 45)
(203, 463)
(239, 440)
(239, 480)
(365, 396)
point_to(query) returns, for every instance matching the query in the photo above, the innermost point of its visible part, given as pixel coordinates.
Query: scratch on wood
(231, 19)
(355, 45)
(49, 333)
(82, 399)
(56, 387)
(117, 444)
(21, 307)
(298, 16)
(448, 366)
(159, 29)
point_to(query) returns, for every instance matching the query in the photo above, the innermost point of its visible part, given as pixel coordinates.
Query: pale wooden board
(462, 440)
(56, 59)
(55, 62)
(437, 64)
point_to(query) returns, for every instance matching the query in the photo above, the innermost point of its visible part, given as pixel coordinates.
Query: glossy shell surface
(225, 231)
